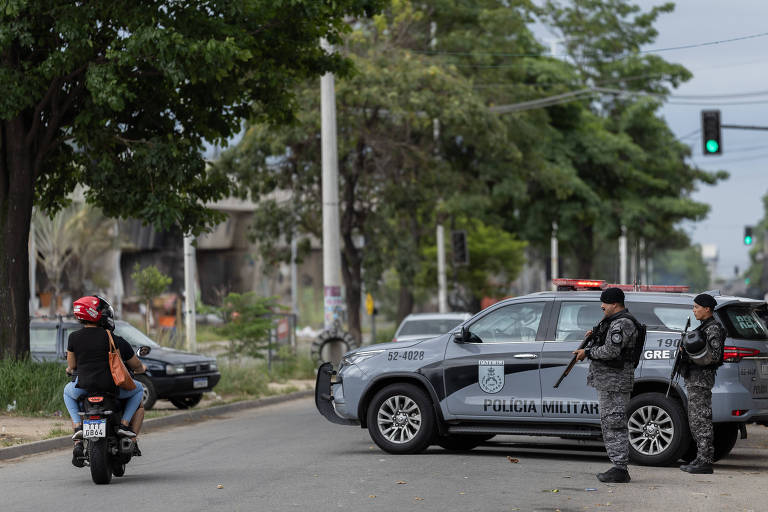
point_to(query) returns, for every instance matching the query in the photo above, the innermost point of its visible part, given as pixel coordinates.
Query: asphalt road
(287, 457)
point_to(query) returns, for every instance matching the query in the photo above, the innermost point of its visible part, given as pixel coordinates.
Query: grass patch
(59, 430)
(36, 388)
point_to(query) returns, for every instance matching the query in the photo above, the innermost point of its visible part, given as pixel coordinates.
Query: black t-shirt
(91, 346)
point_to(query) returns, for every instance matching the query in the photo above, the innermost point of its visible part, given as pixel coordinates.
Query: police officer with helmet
(611, 372)
(702, 355)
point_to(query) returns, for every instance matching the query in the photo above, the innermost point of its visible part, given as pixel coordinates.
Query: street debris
(219, 486)
(513, 461)
(401, 482)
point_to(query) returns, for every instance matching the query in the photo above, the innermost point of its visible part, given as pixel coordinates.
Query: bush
(243, 379)
(36, 387)
(289, 365)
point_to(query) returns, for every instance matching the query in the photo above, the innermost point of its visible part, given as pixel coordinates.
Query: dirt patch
(23, 429)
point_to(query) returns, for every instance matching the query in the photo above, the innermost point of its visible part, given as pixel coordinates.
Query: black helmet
(107, 319)
(697, 348)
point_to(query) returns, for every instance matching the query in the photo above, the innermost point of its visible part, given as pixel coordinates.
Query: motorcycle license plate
(95, 428)
(200, 382)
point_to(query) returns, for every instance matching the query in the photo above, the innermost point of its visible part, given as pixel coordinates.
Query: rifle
(678, 358)
(584, 344)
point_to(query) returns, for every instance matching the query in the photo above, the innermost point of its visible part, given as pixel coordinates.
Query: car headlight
(174, 369)
(359, 357)
(214, 365)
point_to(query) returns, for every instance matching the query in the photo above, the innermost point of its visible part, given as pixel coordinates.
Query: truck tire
(98, 458)
(331, 344)
(401, 419)
(461, 442)
(725, 438)
(658, 430)
(150, 395)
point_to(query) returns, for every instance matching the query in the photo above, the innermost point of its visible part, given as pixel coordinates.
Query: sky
(727, 68)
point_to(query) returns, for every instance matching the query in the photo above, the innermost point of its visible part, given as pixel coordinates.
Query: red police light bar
(579, 284)
(600, 284)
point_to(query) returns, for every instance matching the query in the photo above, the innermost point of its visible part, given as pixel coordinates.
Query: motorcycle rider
(87, 352)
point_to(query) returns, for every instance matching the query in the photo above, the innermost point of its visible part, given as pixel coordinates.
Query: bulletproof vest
(698, 349)
(627, 353)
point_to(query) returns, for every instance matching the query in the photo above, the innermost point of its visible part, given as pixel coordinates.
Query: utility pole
(332, 297)
(294, 286)
(623, 256)
(190, 294)
(441, 278)
(555, 271)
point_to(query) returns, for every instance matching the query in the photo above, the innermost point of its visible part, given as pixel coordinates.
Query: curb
(180, 418)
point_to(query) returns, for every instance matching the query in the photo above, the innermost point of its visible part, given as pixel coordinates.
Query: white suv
(421, 326)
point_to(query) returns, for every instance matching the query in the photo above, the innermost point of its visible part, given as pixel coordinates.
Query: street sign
(369, 303)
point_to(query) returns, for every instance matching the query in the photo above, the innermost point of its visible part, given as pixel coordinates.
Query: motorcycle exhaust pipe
(126, 445)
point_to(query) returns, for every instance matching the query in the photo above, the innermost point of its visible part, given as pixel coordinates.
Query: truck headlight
(174, 369)
(359, 357)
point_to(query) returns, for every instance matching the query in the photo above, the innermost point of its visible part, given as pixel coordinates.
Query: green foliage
(244, 380)
(247, 323)
(290, 365)
(35, 387)
(149, 282)
(681, 267)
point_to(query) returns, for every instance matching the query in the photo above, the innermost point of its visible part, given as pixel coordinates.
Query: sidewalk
(30, 435)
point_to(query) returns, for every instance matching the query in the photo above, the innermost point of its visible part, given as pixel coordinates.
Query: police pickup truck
(494, 374)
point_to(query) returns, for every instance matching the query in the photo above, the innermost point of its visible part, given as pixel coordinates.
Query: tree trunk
(16, 198)
(405, 303)
(585, 253)
(352, 274)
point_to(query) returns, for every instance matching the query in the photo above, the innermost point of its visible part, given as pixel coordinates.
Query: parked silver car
(420, 326)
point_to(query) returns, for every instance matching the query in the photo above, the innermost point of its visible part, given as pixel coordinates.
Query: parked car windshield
(745, 322)
(133, 336)
(434, 326)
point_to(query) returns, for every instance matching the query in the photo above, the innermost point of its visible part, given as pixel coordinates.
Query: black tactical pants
(700, 422)
(613, 421)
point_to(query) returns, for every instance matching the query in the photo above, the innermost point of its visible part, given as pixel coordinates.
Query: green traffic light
(712, 146)
(747, 240)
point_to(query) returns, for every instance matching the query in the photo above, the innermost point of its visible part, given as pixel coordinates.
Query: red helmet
(94, 309)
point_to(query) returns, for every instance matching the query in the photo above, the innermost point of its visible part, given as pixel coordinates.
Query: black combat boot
(615, 475)
(697, 467)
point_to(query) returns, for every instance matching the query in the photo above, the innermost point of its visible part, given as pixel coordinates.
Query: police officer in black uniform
(708, 340)
(611, 372)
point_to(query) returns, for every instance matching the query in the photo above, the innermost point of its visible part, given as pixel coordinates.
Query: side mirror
(462, 336)
(143, 351)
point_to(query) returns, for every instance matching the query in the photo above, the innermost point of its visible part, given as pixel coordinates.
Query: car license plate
(764, 369)
(200, 382)
(95, 428)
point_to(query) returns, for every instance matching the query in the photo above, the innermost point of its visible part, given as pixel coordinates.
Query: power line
(551, 55)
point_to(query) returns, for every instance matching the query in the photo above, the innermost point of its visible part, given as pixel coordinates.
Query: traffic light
(710, 131)
(460, 249)
(748, 238)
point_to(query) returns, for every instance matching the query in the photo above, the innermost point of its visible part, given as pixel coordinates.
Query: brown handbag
(120, 373)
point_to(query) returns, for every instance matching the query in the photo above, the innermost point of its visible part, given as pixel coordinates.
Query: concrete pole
(118, 288)
(332, 297)
(623, 256)
(294, 284)
(642, 270)
(32, 269)
(553, 254)
(442, 284)
(190, 294)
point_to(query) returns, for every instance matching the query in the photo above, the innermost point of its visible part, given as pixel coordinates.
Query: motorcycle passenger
(87, 352)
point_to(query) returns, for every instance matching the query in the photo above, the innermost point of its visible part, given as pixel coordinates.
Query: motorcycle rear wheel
(98, 456)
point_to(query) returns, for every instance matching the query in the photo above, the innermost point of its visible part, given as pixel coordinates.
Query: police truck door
(496, 373)
(573, 399)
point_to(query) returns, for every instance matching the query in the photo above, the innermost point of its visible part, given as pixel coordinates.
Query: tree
(150, 283)
(120, 97)
(54, 250)
(247, 323)
(392, 169)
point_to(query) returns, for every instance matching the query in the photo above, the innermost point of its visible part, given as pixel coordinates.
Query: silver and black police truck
(494, 374)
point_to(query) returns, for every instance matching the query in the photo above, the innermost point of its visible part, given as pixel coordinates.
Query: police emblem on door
(490, 375)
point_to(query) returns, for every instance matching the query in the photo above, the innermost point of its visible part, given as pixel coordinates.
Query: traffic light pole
(743, 127)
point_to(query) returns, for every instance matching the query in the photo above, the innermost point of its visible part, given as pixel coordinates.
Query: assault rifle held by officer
(584, 344)
(676, 366)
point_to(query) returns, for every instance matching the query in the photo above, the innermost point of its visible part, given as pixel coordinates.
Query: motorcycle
(104, 451)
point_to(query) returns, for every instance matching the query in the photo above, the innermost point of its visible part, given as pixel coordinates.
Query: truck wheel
(725, 438)
(461, 442)
(150, 395)
(401, 419)
(658, 432)
(98, 458)
(185, 402)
